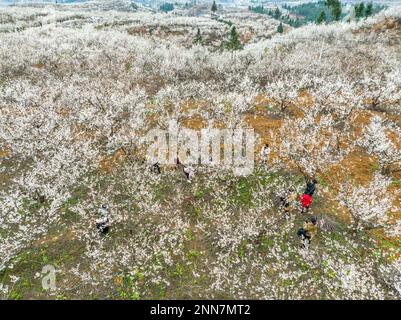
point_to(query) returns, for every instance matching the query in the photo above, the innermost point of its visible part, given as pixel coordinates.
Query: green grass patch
(242, 194)
(193, 255)
(396, 182)
(77, 195)
(162, 191)
(128, 289)
(192, 210)
(189, 235)
(266, 243)
(242, 249)
(374, 167)
(202, 192)
(323, 182)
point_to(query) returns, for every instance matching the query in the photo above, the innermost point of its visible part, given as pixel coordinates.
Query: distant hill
(12, 2)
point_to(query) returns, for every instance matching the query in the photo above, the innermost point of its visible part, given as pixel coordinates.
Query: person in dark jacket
(311, 187)
(156, 168)
(308, 231)
(102, 223)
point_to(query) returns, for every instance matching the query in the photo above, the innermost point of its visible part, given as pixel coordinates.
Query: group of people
(289, 199)
(310, 226)
(306, 198)
(188, 170)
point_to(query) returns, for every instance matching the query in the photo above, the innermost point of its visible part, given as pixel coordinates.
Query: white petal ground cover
(77, 95)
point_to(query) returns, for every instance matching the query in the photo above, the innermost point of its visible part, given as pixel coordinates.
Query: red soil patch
(69, 235)
(305, 98)
(395, 138)
(390, 26)
(357, 166)
(361, 121)
(262, 124)
(391, 244)
(107, 164)
(265, 128)
(261, 101)
(63, 112)
(195, 123)
(5, 153)
(83, 133)
(39, 65)
(193, 105)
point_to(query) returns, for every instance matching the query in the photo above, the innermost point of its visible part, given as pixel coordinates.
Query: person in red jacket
(306, 201)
